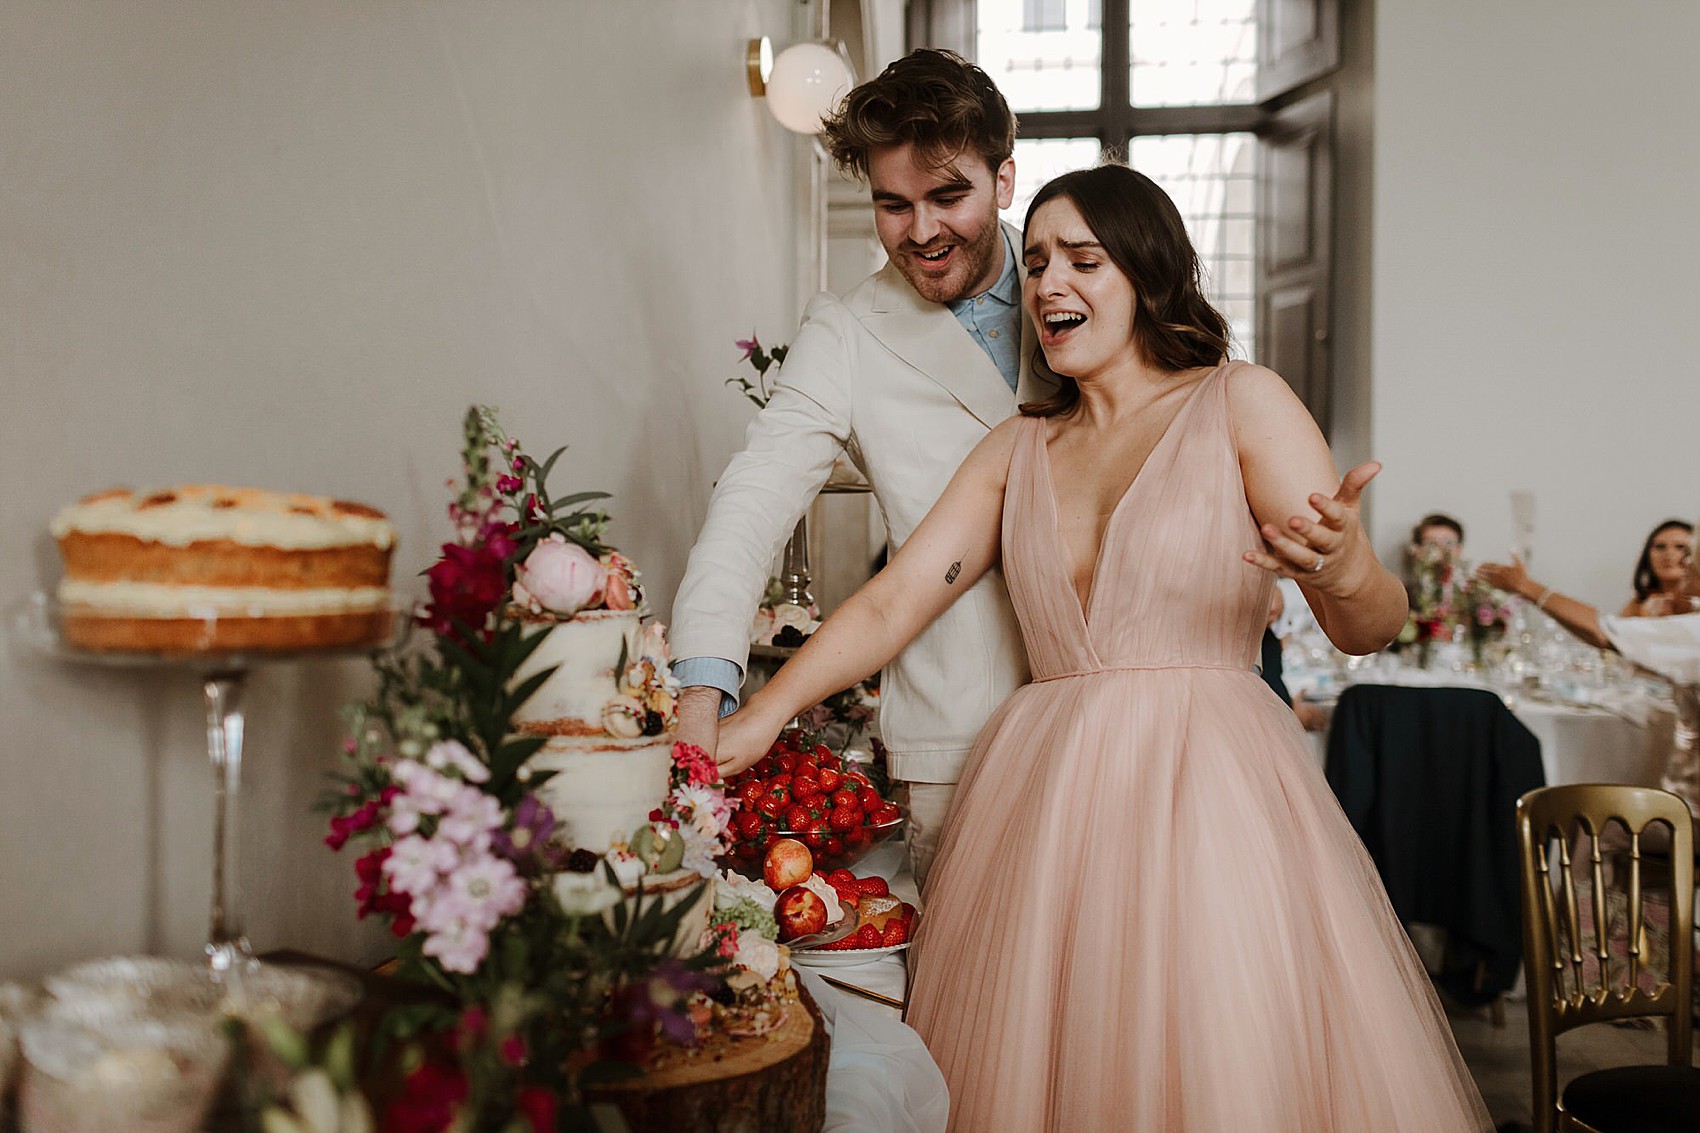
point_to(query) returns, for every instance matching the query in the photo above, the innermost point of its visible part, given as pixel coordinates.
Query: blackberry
(652, 723)
(582, 861)
(789, 638)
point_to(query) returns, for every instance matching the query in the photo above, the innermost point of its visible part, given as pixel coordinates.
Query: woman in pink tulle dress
(1148, 913)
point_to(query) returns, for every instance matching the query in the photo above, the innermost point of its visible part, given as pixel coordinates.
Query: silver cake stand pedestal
(33, 623)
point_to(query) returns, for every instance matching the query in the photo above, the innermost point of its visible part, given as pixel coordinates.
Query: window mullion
(1116, 96)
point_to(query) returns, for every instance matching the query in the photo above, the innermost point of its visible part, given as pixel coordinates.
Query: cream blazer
(896, 383)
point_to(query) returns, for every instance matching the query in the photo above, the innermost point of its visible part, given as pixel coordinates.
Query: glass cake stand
(34, 623)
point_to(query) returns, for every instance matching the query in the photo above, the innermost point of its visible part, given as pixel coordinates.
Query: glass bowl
(97, 1074)
(831, 850)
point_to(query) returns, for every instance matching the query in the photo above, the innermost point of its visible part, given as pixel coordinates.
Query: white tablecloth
(880, 1078)
(1579, 743)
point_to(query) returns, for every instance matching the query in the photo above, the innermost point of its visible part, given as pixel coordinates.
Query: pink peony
(560, 577)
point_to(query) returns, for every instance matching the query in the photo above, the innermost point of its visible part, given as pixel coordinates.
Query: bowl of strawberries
(806, 792)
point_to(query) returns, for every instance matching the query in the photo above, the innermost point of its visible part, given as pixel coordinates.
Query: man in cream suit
(905, 374)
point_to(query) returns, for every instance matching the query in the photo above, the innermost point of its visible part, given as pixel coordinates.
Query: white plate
(845, 958)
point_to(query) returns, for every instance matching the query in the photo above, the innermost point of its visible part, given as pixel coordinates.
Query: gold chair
(1574, 975)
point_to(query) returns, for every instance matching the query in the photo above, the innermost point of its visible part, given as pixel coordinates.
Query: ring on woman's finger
(1316, 566)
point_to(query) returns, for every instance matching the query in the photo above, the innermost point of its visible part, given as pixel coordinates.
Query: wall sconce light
(801, 85)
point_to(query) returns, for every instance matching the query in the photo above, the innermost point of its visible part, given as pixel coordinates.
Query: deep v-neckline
(1084, 606)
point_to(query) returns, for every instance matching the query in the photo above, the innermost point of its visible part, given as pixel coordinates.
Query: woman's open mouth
(1056, 326)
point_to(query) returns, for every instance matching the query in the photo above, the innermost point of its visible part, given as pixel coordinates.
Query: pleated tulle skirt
(1149, 914)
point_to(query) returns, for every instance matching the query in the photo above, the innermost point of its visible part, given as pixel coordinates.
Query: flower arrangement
(546, 976)
(1449, 604)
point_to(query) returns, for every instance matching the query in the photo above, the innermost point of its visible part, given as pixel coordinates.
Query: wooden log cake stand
(772, 1084)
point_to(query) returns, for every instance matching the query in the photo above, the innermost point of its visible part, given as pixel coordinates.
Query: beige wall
(1536, 173)
(287, 245)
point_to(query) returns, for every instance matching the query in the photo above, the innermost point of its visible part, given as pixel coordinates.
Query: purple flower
(527, 843)
(748, 345)
(661, 999)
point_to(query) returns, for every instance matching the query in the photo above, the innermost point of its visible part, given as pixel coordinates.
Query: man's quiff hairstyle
(935, 100)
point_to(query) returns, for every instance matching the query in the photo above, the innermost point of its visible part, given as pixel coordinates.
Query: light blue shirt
(993, 319)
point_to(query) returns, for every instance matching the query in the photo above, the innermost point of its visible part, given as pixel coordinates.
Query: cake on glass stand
(35, 623)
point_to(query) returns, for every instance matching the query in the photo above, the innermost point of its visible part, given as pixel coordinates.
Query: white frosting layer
(264, 519)
(151, 600)
(585, 654)
(601, 796)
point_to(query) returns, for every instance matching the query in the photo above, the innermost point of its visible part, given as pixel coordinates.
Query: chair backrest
(1574, 974)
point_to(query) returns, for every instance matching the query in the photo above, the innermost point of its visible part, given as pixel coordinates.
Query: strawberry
(770, 807)
(748, 822)
(867, 937)
(841, 877)
(796, 818)
(847, 895)
(871, 800)
(787, 761)
(896, 932)
(829, 779)
(885, 815)
(750, 790)
(907, 912)
(844, 796)
(834, 847)
(872, 886)
(844, 819)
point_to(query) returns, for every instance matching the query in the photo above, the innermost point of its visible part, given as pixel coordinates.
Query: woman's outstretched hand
(1512, 576)
(744, 739)
(1325, 553)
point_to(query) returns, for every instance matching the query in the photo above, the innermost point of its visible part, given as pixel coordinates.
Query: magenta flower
(748, 345)
(467, 584)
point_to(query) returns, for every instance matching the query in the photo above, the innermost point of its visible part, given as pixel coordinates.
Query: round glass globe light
(808, 80)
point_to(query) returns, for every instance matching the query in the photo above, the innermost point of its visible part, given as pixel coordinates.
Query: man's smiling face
(939, 224)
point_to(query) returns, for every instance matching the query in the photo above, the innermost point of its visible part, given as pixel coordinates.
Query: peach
(799, 911)
(788, 863)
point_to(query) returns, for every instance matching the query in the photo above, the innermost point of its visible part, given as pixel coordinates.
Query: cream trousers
(928, 804)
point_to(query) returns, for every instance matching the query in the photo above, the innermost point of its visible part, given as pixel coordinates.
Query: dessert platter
(566, 802)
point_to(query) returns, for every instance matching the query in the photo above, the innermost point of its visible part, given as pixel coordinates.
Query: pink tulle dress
(1148, 913)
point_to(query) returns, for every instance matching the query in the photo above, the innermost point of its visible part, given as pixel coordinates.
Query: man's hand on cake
(699, 718)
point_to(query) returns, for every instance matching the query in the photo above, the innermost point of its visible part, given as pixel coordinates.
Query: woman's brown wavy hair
(1174, 327)
(936, 100)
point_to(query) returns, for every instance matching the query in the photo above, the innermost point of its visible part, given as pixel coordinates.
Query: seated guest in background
(1439, 530)
(1662, 582)
(1669, 647)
